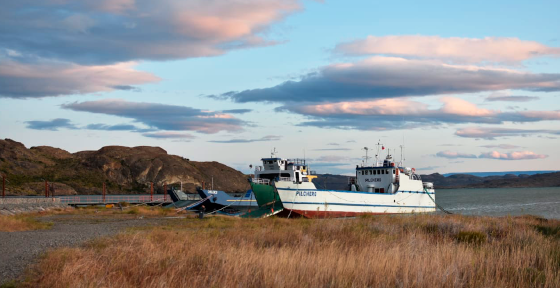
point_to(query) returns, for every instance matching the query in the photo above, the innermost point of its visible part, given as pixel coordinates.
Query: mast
(366, 157)
(377, 154)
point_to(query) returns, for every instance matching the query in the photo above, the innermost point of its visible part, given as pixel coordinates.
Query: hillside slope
(124, 170)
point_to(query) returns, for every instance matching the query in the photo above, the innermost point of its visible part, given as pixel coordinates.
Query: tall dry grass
(25, 222)
(30, 221)
(380, 251)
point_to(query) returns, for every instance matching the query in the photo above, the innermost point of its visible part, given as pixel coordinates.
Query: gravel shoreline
(20, 249)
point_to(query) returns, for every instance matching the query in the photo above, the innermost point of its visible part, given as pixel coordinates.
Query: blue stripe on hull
(357, 192)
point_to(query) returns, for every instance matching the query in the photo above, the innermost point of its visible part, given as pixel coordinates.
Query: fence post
(164, 192)
(152, 193)
(46, 189)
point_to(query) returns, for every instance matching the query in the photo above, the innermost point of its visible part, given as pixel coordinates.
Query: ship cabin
(284, 170)
(382, 178)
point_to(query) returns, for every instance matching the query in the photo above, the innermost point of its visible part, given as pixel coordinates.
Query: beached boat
(279, 172)
(380, 188)
(217, 199)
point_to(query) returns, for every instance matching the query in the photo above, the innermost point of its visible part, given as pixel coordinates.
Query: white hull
(334, 203)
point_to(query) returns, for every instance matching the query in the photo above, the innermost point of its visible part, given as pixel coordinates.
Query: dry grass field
(30, 221)
(21, 223)
(377, 251)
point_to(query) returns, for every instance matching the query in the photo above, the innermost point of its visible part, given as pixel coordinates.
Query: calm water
(543, 202)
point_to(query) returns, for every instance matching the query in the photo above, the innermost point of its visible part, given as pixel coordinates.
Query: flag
(382, 147)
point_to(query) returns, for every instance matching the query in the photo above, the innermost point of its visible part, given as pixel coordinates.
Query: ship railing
(285, 179)
(261, 181)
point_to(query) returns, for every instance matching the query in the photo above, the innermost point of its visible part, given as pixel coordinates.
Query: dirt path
(19, 249)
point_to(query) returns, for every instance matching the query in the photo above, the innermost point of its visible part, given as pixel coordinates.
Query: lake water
(543, 202)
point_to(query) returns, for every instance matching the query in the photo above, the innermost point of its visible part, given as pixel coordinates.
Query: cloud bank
(48, 78)
(61, 47)
(162, 116)
(389, 77)
(52, 125)
(401, 113)
(109, 31)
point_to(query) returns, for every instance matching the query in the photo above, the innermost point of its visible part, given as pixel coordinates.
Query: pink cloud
(521, 155)
(451, 106)
(50, 78)
(458, 106)
(466, 50)
(224, 21)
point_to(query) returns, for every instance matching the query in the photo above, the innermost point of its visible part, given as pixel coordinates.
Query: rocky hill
(124, 170)
(339, 182)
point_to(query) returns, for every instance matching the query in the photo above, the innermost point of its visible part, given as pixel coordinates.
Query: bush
(471, 237)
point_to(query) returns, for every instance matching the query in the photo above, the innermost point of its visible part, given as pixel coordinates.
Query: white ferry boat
(381, 188)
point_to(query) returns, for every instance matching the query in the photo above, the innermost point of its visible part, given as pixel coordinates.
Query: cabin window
(382, 171)
(393, 171)
(370, 172)
(386, 171)
(376, 190)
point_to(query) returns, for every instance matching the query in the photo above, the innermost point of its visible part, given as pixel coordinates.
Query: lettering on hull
(306, 193)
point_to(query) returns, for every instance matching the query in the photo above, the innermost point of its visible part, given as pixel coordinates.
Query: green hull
(268, 200)
(265, 194)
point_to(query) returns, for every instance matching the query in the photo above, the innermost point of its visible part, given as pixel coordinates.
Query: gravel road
(19, 249)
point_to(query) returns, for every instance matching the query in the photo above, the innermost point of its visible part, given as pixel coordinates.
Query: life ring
(413, 170)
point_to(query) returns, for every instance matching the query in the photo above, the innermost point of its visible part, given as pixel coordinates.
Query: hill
(125, 170)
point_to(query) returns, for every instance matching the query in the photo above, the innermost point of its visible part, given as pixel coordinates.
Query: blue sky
(470, 86)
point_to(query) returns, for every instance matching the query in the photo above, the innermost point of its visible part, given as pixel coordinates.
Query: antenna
(273, 153)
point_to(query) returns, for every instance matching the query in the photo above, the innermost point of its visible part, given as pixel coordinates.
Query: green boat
(264, 193)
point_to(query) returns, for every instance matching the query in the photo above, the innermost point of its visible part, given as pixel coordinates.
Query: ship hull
(334, 203)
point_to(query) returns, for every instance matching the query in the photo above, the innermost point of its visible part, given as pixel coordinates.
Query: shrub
(471, 237)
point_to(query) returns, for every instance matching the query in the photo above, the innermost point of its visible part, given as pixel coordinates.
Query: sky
(464, 87)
